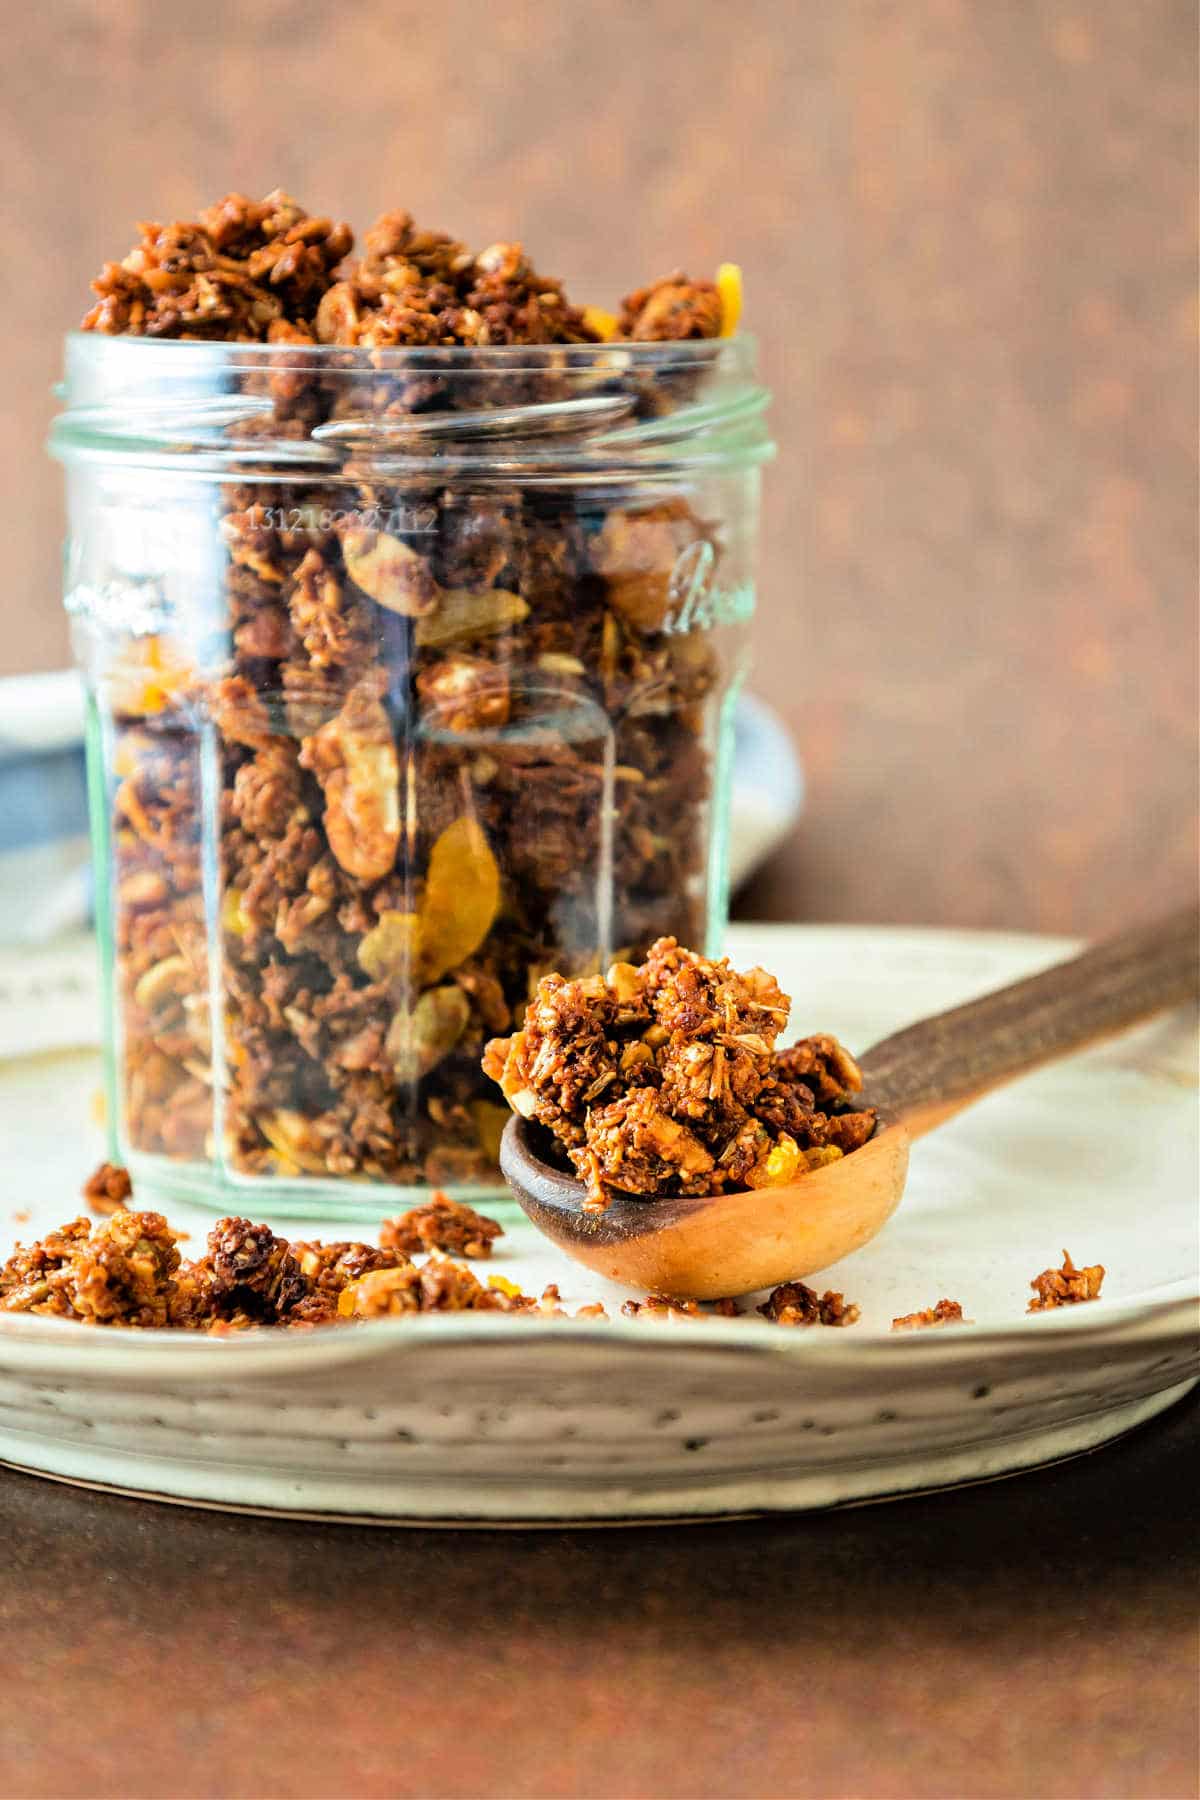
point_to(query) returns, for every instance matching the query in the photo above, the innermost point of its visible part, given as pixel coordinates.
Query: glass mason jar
(410, 678)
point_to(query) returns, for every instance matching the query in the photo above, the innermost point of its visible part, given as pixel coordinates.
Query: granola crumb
(946, 1312)
(794, 1304)
(441, 1224)
(108, 1188)
(663, 1306)
(1066, 1286)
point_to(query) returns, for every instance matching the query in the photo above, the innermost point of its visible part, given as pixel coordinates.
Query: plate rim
(1171, 1315)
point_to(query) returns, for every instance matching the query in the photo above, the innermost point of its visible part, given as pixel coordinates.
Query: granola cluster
(794, 1304)
(108, 1189)
(441, 1224)
(416, 287)
(1066, 1286)
(245, 270)
(458, 739)
(663, 1078)
(267, 271)
(122, 1273)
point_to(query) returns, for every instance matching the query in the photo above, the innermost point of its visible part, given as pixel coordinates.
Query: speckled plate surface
(496, 1420)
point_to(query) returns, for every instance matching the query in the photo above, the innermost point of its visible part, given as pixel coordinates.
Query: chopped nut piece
(466, 693)
(637, 554)
(633, 1144)
(329, 1268)
(354, 758)
(391, 572)
(296, 1139)
(663, 1306)
(1066, 1286)
(946, 1312)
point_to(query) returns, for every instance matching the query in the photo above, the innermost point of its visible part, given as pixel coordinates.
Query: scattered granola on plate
(794, 1304)
(127, 1270)
(1066, 1286)
(441, 1224)
(663, 1306)
(946, 1312)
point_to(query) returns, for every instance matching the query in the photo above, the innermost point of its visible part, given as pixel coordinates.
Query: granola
(663, 1306)
(107, 1189)
(671, 308)
(1066, 1286)
(663, 1078)
(241, 270)
(794, 1304)
(121, 1273)
(946, 1312)
(444, 718)
(441, 1224)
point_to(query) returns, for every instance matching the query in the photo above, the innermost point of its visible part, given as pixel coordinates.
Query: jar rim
(202, 408)
(740, 347)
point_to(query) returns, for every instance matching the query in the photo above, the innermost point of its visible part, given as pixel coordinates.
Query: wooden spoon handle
(933, 1069)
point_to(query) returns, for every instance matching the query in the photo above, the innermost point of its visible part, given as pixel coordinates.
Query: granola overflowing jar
(411, 676)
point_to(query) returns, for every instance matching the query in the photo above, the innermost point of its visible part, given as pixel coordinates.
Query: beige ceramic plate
(499, 1420)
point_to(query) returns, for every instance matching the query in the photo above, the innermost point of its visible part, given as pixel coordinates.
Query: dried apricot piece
(604, 324)
(729, 288)
(462, 898)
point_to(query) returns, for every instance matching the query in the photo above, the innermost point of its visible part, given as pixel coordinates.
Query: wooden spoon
(703, 1247)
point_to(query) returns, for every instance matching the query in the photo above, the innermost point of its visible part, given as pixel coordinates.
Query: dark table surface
(1032, 1637)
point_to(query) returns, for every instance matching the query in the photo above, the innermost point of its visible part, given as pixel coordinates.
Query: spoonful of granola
(660, 1138)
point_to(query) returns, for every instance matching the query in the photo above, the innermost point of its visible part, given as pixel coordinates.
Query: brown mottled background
(968, 228)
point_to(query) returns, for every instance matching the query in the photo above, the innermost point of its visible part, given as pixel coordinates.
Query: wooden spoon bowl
(712, 1245)
(705, 1247)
